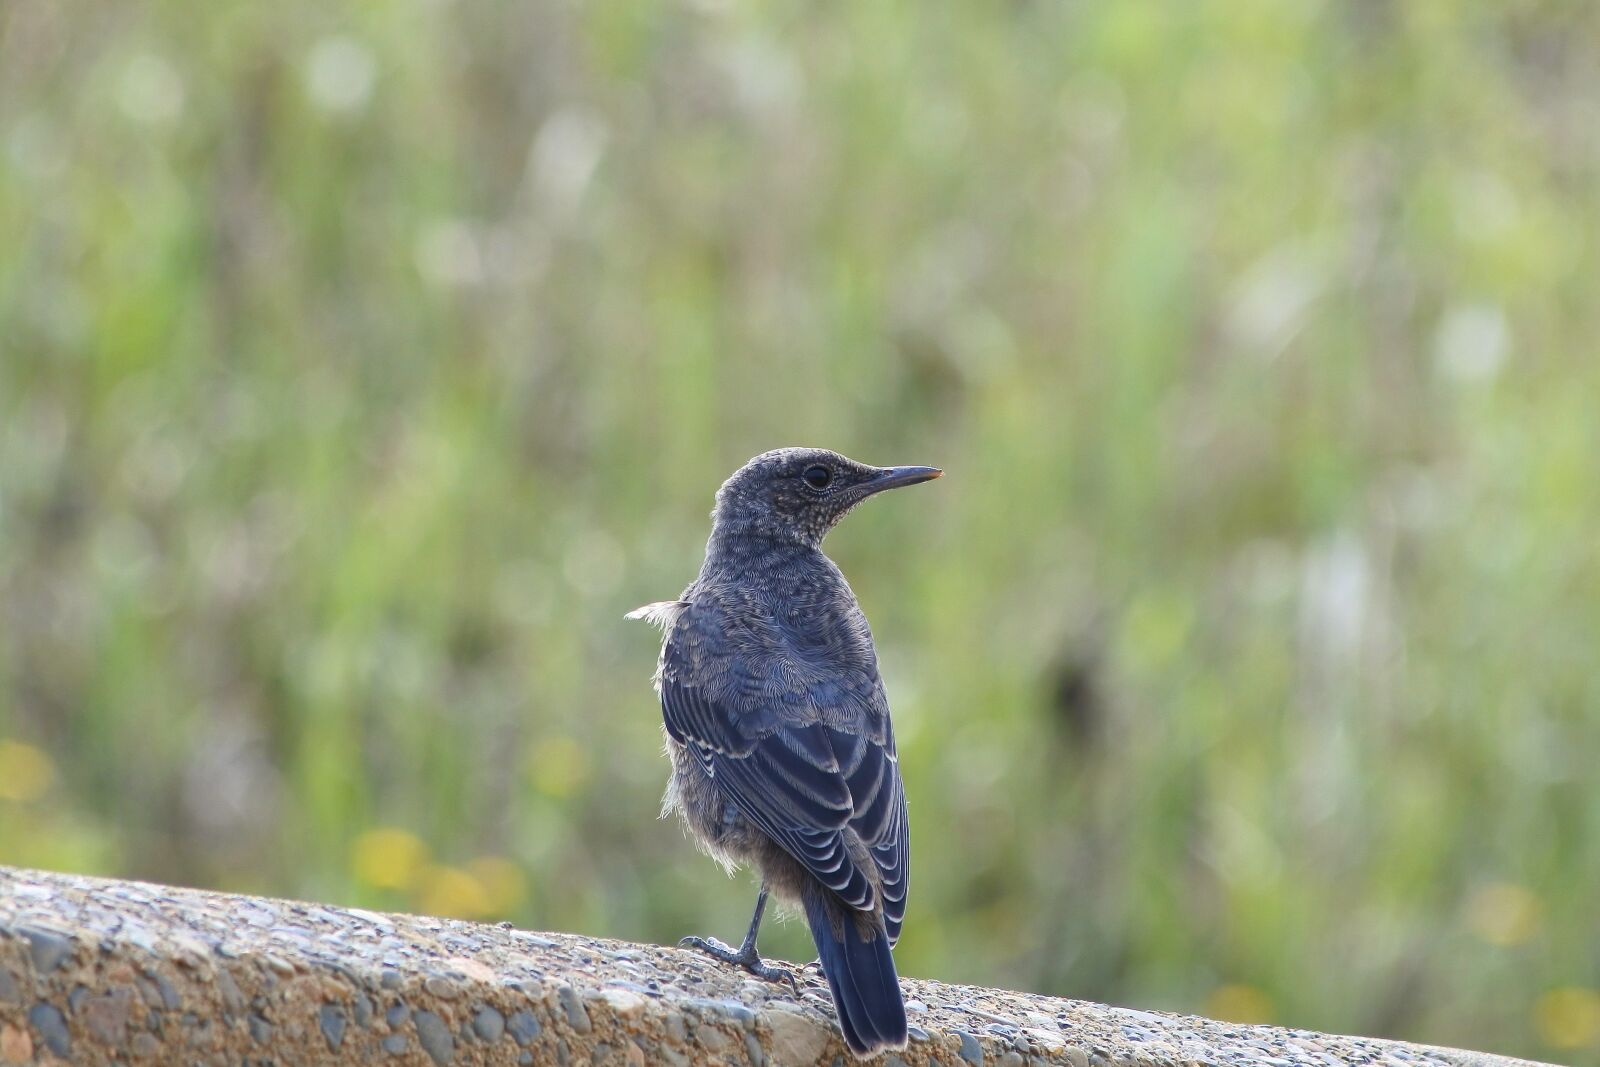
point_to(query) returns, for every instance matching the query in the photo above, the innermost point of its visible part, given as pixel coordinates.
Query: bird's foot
(745, 957)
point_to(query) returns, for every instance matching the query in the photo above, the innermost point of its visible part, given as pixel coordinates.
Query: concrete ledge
(99, 972)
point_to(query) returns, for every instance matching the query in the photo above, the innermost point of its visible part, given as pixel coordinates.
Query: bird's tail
(859, 970)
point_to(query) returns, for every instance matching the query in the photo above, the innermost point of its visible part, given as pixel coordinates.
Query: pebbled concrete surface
(95, 972)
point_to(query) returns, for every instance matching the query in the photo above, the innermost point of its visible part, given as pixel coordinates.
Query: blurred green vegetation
(362, 364)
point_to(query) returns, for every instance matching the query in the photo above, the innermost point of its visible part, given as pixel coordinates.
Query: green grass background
(362, 364)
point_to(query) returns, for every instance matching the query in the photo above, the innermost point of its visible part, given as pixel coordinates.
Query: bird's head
(799, 494)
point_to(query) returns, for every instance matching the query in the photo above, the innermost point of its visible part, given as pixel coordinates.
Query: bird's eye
(817, 476)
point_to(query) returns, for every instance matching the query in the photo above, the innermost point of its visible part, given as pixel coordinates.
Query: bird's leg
(745, 955)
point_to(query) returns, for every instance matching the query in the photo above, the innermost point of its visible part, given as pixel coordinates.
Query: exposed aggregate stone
(97, 972)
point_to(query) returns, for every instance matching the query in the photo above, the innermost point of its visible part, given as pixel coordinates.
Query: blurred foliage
(362, 364)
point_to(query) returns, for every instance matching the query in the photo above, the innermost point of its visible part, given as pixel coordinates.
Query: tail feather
(860, 973)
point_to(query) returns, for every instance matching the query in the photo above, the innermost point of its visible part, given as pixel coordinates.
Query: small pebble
(169, 995)
(390, 979)
(636, 987)
(622, 1001)
(46, 948)
(105, 1016)
(232, 996)
(330, 1018)
(260, 1029)
(435, 1037)
(75, 999)
(971, 1051)
(577, 1014)
(16, 1044)
(52, 1026)
(489, 1024)
(713, 1038)
(394, 1044)
(534, 940)
(441, 987)
(397, 1014)
(523, 1026)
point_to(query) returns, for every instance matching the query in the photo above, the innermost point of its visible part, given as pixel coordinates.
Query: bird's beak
(895, 477)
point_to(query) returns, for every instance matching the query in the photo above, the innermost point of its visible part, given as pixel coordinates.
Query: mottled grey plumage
(778, 726)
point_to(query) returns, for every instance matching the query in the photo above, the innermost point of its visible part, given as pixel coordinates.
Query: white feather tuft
(662, 613)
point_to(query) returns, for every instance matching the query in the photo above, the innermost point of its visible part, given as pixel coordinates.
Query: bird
(777, 728)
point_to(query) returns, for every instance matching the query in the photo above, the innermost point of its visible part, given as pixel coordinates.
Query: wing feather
(792, 763)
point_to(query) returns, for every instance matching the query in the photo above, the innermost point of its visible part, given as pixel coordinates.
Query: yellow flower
(388, 858)
(1504, 914)
(1568, 1017)
(453, 892)
(25, 772)
(503, 881)
(1239, 1004)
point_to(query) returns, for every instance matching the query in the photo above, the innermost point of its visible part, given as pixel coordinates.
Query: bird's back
(799, 592)
(788, 616)
(769, 657)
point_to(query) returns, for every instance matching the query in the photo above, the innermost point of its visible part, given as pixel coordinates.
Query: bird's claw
(746, 958)
(709, 945)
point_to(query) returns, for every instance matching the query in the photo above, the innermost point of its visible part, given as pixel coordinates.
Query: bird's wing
(801, 752)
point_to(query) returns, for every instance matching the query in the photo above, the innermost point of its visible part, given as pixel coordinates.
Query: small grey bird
(778, 727)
